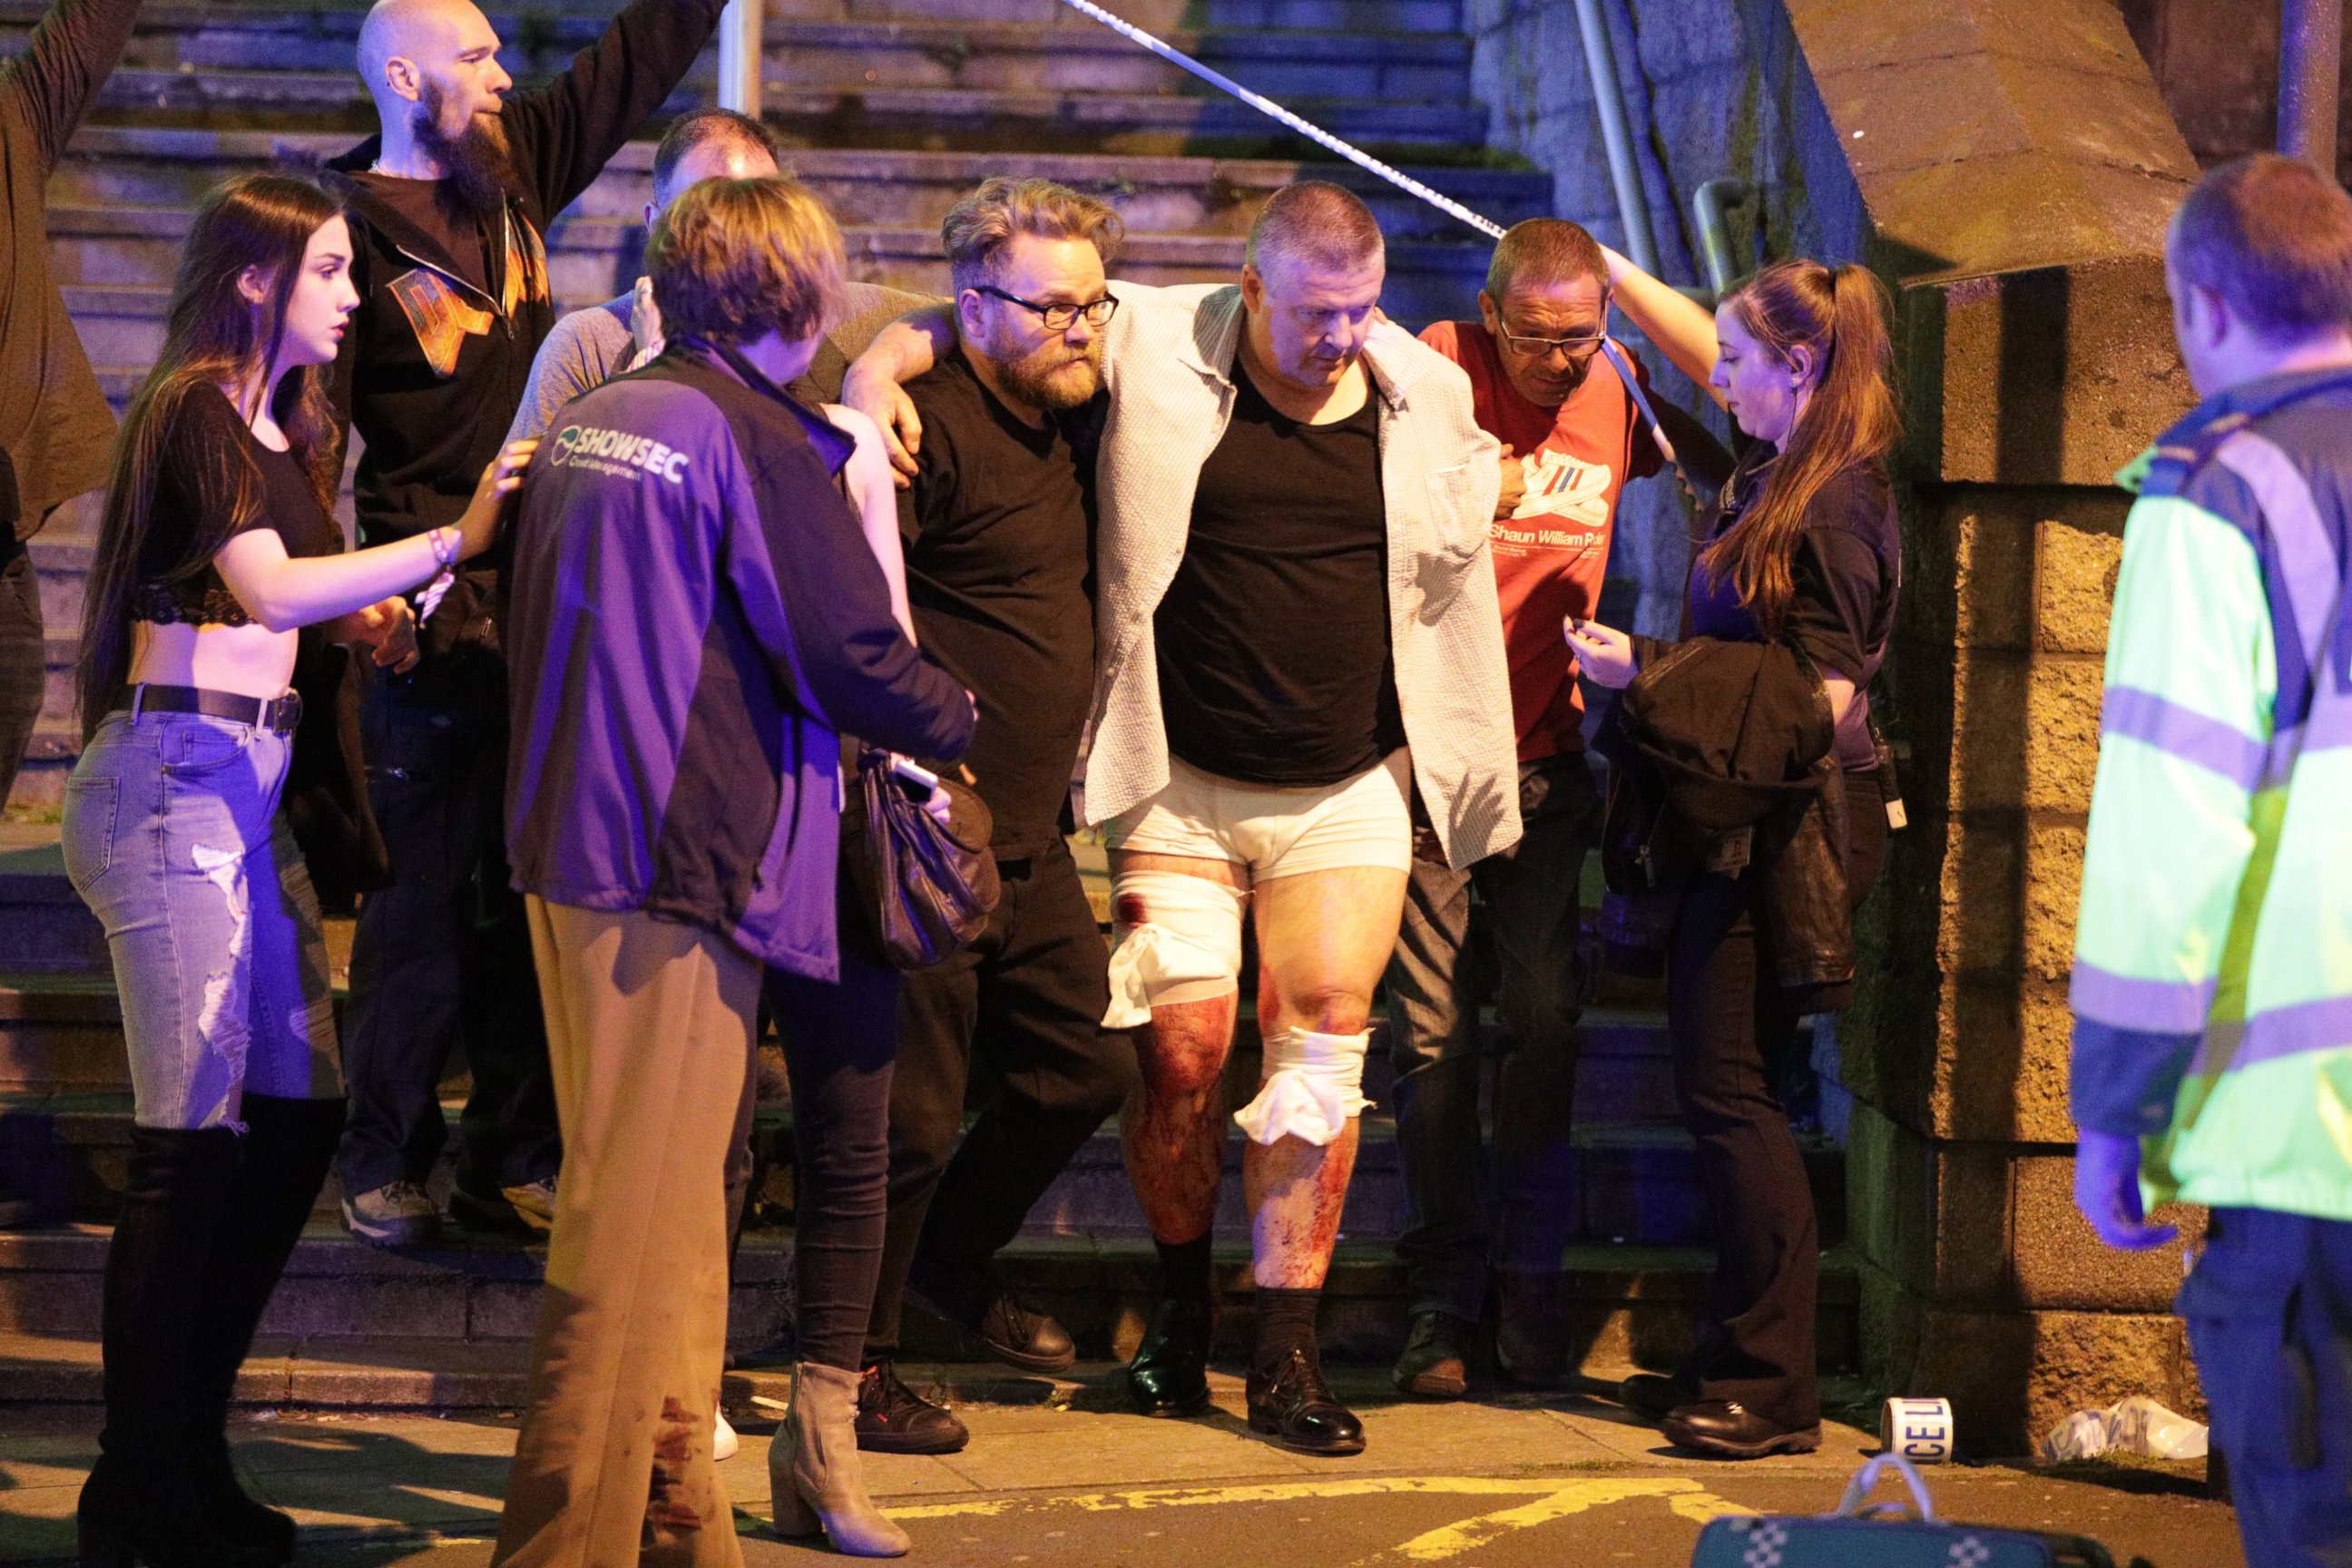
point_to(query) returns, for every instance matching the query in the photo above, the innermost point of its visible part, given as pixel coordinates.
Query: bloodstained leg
(1324, 940)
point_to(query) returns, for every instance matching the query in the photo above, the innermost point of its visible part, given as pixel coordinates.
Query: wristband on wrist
(443, 558)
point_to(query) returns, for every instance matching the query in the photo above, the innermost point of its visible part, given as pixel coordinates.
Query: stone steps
(449, 1328)
(143, 165)
(1018, 121)
(116, 263)
(525, 28)
(1627, 1182)
(179, 42)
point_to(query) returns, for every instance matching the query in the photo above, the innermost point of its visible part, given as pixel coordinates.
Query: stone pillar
(1979, 1280)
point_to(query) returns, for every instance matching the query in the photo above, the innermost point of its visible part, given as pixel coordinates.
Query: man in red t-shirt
(1572, 437)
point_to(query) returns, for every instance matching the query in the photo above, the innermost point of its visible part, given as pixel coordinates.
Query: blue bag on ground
(1884, 1535)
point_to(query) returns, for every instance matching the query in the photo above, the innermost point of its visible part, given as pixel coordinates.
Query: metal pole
(1617, 136)
(739, 58)
(2311, 56)
(1711, 204)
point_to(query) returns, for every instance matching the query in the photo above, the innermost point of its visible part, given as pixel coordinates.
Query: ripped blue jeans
(173, 838)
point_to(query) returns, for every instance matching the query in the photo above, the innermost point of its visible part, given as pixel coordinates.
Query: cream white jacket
(1168, 361)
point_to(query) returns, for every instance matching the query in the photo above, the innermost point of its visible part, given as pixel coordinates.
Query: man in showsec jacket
(2213, 984)
(450, 204)
(696, 615)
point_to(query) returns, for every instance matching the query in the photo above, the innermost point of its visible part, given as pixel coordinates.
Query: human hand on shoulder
(480, 525)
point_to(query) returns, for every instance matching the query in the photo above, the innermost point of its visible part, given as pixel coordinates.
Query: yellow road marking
(1552, 1499)
(1268, 1492)
(1573, 1497)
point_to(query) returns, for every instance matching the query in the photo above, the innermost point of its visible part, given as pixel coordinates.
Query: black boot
(282, 1162)
(1170, 1374)
(141, 1503)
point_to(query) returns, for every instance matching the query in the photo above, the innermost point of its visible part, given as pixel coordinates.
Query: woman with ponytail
(1798, 548)
(217, 555)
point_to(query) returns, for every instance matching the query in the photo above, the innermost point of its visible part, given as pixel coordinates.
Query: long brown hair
(211, 337)
(1839, 316)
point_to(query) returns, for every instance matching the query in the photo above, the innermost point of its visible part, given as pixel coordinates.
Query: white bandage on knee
(1312, 1087)
(1187, 947)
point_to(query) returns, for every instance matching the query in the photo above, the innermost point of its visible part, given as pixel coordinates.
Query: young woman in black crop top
(216, 552)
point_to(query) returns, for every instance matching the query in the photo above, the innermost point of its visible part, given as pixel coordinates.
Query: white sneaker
(724, 1441)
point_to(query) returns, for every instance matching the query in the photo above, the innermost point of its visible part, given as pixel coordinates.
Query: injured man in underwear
(1299, 640)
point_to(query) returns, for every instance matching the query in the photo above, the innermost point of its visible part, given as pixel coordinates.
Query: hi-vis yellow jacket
(2212, 983)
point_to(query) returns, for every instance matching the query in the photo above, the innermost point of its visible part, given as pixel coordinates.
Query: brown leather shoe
(1432, 1366)
(1729, 1430)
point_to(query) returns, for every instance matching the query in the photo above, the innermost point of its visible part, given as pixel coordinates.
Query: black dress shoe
(1170, 1374)
(1290, 1401)
(892, 1419)
(1730, 1430)
(1015, 1332)
(1655, 1395)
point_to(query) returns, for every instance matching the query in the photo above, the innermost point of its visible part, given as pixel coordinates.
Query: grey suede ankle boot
(815, 1479)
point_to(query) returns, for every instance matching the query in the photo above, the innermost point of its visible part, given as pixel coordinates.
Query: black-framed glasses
(1583, 345)
(1058, 318)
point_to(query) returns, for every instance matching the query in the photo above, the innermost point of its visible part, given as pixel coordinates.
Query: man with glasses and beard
(447, 206)
(999, 530)
(1572, 438)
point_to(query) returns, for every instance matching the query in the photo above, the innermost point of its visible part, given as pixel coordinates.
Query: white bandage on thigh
(1313, 1089)
(1187, 947)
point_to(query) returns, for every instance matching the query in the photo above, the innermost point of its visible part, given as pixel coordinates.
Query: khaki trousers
(649, 1033)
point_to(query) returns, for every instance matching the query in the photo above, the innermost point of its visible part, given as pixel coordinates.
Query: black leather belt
(279, 714)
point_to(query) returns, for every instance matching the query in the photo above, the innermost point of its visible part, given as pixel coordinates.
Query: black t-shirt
(1275, 663)
(428, 204)
(208, 452)
(998, 532)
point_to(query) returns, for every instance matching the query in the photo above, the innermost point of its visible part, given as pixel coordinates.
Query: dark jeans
(838, 1044)
(2269, 1306)
(1029, 996)
(1518, 1212)
(443, 954)
(1732, 1030)
(23, 662)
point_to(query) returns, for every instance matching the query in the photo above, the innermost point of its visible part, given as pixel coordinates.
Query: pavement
(1057, 1476)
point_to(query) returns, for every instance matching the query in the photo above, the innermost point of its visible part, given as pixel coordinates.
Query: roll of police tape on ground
(1920, 1430)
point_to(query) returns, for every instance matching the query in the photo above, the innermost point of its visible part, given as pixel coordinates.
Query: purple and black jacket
(694, 617)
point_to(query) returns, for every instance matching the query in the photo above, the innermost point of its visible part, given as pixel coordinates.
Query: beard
(1051, 376)
(479, 171)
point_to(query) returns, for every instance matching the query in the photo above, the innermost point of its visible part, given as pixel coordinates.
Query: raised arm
(565, 133)
(56, 79)
(900, 351)
(1683, 329)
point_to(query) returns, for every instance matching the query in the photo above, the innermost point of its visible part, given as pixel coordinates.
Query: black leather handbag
(931, 886)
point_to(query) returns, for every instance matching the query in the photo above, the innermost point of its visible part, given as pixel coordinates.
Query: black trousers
(23, 666)
(1732, 1030)
(838, 1051)
(443, 954)
(2269, 1308)
(1028, 997)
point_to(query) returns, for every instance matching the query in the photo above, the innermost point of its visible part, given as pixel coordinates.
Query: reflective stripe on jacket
(2212, 983)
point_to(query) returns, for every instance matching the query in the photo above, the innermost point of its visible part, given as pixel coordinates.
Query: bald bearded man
(448, 204)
